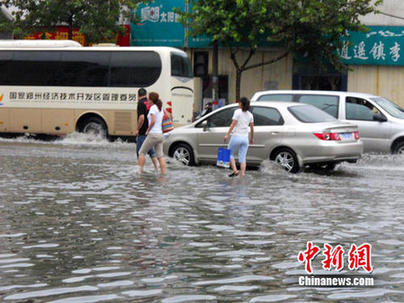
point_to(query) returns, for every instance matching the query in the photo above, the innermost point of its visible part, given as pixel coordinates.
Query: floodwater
(78, 224)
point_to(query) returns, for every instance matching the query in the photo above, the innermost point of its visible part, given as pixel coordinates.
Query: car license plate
(346, 136)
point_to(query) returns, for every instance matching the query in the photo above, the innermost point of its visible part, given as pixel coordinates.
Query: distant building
(381, 73)
(377, 57)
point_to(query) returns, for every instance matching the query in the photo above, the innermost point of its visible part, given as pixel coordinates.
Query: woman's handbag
(167, 124)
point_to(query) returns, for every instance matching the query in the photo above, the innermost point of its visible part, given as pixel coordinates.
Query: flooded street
(78, 224)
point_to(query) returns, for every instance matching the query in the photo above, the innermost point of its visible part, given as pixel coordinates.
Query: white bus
(59, 87)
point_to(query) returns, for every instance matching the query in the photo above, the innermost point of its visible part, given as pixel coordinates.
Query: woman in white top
(154, 133)
(242, 121)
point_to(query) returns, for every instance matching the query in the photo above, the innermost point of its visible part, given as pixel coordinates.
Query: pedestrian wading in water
(154, 133)
(142, 125)
(242, 121)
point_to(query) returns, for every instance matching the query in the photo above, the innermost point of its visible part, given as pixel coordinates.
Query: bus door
(182, 105)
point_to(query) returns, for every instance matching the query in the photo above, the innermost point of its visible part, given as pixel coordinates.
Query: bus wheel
(94, 126)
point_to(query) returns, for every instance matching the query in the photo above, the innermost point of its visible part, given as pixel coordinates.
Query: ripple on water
(50, 292)
(272, 298)
(189, 298)
(88, 299)
(364, 294)
(242, 279)
(143, 293)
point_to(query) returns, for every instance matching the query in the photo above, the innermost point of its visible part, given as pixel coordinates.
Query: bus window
(83, 68)
(135, 69)
(40, 68)
(180, 65)
(6, 64)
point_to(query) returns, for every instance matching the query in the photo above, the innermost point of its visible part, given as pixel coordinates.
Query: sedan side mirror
(379, 117)
(204, 124)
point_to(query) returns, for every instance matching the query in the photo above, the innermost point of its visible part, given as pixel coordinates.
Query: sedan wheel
(183, 153)
(287, 159)
(399, 148)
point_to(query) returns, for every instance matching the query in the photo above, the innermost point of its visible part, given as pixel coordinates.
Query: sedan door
(268, 132)
(212, 135)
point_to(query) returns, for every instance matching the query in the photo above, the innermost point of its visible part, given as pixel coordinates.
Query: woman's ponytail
(154, 97)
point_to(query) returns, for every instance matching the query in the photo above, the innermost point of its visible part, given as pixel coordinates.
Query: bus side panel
(26, 120)
(124, 123)
(182, 105)
(57, 121)
(4, 119)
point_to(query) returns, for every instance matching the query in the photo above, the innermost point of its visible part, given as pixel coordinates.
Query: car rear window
(310, 114)
(276, 97)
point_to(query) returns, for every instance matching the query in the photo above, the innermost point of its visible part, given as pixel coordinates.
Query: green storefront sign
(159, 26)
(381, 45)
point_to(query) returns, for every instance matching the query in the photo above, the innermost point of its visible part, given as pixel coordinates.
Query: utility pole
(215, 75)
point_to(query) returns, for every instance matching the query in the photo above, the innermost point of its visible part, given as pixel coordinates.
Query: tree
(97, 19)
(310, 28)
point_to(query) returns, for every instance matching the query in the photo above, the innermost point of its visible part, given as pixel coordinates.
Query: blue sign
(158, 24)
(381, 45)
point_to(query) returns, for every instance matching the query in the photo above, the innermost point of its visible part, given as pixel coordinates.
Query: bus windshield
(390, 107)
(180, 65)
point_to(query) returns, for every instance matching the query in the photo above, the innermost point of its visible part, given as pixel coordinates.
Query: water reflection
(80, 225)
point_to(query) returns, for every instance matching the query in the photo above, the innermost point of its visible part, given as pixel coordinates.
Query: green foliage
(312, 28)
(97, 19)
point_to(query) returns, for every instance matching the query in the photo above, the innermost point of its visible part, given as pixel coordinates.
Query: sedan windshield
(390, 107)
(310, 114)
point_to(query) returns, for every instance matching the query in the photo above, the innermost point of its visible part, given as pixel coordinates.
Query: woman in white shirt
(154, 133)
(242, 121)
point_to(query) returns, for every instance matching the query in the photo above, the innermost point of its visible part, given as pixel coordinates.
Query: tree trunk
(238, 84)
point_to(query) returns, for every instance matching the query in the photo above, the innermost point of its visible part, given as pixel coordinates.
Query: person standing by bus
(142, 125)
(242, 120)
(154, 133)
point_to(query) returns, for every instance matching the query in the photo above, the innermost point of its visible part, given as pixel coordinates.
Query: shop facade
(381, 73)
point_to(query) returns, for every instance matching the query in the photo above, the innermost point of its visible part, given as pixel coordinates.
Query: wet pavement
(78, 224)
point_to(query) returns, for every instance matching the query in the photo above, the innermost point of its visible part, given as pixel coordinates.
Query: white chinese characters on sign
(377, 51)
(155, 15)
(344, 51)
(360, 51)
(395, 52)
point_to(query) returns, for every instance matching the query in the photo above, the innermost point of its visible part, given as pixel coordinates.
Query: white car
(380, 121)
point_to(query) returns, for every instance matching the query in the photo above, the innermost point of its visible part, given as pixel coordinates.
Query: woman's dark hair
(154, 97)
(245, 103)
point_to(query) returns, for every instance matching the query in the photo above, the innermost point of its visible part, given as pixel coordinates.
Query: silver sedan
(293, 135)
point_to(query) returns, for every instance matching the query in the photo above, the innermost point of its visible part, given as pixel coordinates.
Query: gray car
(293, 135)
(380, 121)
